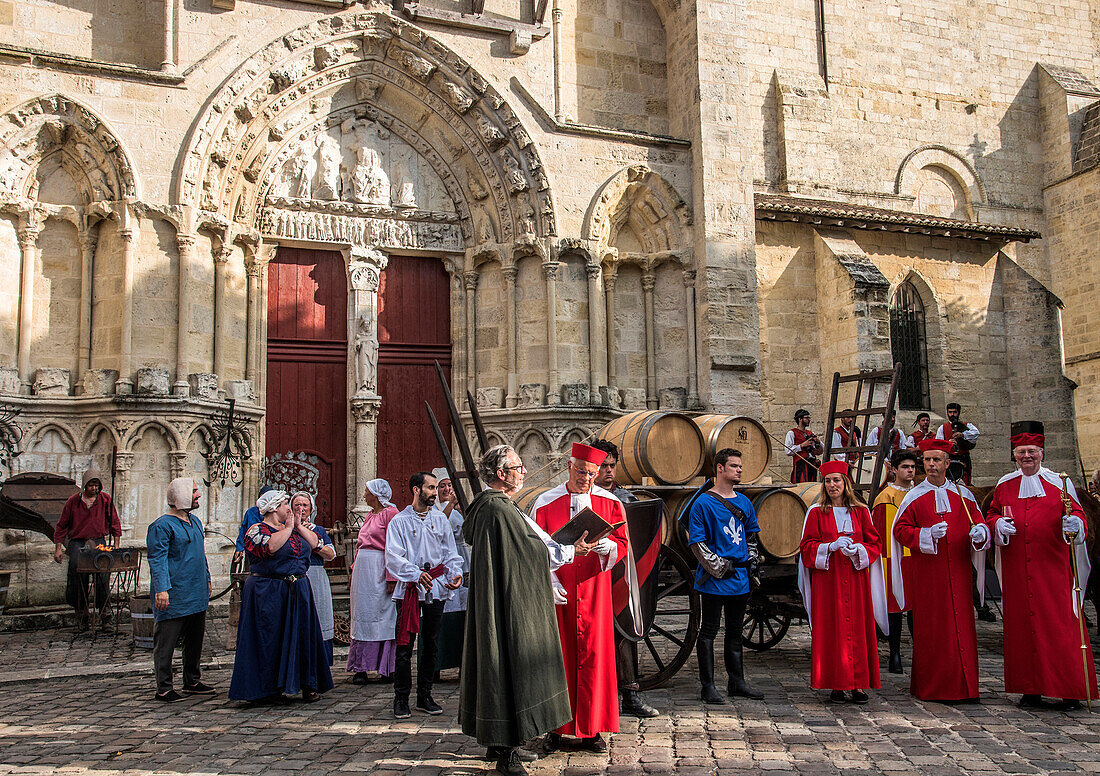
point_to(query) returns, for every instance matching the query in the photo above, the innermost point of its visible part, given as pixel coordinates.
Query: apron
(373, 613)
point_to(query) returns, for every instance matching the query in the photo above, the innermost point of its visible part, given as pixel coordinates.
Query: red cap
(1028, 439)
(834, 467)
(931, 443)
(588, 453)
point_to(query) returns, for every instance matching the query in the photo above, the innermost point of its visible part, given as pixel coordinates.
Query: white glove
(1005, 529)
(978, 533)
(841, 543)
(1073, 527)
(559, 593)
(604, 546)
(851, 550)
(939, 530)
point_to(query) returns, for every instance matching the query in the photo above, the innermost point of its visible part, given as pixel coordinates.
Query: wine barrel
(665, 446)
(807, 491)
(740, 433)
(527, 497)
(780, 515)
(141, 618)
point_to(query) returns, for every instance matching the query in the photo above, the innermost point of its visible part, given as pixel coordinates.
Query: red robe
(883, 514)
(843, 647)
(945, 641)
(1042, 633)
(586, 622)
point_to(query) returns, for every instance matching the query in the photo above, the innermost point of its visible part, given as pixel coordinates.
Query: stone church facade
(592, 207)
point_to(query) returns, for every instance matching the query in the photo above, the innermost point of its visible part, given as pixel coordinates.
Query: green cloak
(513, 678)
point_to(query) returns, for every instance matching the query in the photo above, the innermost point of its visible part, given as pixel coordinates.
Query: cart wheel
(764, 625)
(670, 640)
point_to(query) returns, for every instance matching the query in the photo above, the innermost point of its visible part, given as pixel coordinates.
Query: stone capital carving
(88, 240)
(593, 271)
(221, 255)
(649, 280)
(177, 462)
(471, 280)
(510, 273)
(365, 410)
(689, 277)
(185, 241)
(28, 236)
(550, 269)
(124, 462)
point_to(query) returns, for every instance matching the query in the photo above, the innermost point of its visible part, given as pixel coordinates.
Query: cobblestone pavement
(100, 719)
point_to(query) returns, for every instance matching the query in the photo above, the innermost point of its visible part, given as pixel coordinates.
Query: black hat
(802, 413)
(954, 406)
(1026, 427)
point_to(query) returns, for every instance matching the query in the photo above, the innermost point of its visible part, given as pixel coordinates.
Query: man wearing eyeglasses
(1036, 544)
(586, 619)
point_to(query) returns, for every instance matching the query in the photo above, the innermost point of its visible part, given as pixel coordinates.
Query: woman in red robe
(841, 580)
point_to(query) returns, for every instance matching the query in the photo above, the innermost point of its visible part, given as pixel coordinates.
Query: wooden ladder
(865, 384)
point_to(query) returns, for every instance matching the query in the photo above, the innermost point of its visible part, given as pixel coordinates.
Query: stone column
(88, 240)
(169, 63)
(364, 272)
(597, 331)
(459, 375)
(124, 463)
(692, 364)
(128, 233)
(609, 294)
(28, 245)
(256, 262)
(365, 414)
(221, 261)
(186, 244)
(471, 330)
(553, 386)
(511, 393)
(648, 281)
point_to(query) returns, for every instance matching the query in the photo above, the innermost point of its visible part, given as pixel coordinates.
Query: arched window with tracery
(909, 344)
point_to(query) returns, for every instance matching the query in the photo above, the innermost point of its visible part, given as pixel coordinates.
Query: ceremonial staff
(962, 498)
(1067, 507)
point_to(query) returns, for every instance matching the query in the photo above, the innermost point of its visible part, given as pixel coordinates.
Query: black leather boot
(704, 652)
(895, 643)
(633, 705)
(736, 670)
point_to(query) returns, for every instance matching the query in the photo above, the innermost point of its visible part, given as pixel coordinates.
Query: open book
(585, 520)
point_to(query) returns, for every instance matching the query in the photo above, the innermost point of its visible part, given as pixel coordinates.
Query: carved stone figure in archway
(328, 169)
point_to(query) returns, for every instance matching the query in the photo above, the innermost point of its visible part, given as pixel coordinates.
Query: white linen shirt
(412, 541)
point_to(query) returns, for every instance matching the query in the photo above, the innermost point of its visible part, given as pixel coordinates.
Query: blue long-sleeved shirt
(251, 517)
(711, 522)
(177, 566)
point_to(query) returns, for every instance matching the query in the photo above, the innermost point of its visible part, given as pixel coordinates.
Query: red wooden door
(414, 331)
(307, 350)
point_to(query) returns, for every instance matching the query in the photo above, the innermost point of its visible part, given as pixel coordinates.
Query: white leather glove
(1073, 527)
(841, 543)
(979, 534)
(851, 550)
(604, 546)
(939, 530)
(1005, 529)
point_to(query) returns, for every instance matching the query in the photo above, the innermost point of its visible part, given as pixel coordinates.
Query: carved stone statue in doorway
(366, 354)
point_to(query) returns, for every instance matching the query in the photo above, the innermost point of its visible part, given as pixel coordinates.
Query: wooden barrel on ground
(740, 433)
(141, 618)
(780, 515)
(527, 497)
(664, 446)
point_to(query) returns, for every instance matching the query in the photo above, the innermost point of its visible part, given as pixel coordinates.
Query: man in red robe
(1042, 627)
(904, 463)
(941, 523)
(586, 619)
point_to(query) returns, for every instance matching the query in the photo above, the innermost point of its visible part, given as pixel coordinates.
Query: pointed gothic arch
(373, 69)
(55, 131)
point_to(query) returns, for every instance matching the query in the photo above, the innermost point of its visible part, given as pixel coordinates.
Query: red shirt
(81, 522)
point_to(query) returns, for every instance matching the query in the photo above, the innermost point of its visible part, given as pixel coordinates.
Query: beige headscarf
(179, 493)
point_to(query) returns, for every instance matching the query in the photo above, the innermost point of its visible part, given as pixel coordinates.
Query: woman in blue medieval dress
(280, 649)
